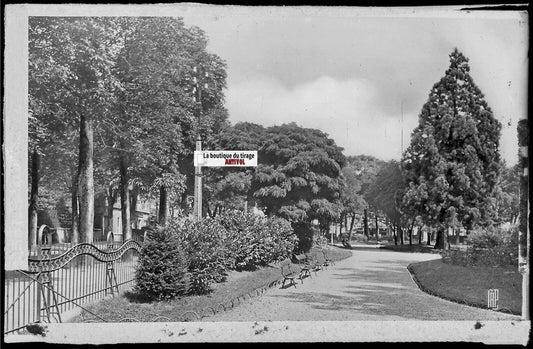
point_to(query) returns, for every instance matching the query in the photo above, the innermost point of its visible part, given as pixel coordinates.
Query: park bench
(290, 273)
(320, 259)
(305, 266)
(313, 261)
(328, 259)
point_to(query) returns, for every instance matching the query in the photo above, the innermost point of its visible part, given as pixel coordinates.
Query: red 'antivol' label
(234, 162)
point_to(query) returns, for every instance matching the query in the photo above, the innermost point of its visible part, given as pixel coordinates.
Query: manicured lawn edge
(447, 297)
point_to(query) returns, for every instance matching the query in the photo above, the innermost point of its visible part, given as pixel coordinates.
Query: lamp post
(197, 96)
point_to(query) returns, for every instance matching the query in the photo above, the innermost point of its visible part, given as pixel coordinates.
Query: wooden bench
(320, 260)
(289, 272)
(330, 260)
(304, 264)
(313, 262)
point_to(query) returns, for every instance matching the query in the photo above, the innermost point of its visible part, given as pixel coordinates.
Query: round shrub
(162, 270)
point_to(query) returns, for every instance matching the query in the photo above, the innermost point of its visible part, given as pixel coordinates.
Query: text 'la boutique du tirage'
(216, 158)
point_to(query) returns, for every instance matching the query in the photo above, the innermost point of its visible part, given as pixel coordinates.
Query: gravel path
(370, 285)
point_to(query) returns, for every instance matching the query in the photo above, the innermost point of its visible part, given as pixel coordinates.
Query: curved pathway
(370, 285)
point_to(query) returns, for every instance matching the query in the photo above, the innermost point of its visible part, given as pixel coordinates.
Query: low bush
(187, 257)
(487, 247)
(162, 270)
(279, 239)
(254, 240)
(204, 243)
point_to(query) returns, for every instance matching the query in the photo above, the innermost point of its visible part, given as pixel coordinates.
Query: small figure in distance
(345, 242)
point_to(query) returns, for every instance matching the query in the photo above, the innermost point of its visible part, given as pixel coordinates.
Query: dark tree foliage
(299, 174)
(227, 187)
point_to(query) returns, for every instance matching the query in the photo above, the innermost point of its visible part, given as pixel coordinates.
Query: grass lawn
(469, 285)
(237, 288)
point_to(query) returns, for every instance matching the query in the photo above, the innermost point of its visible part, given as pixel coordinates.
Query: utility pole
(197, 92)
(401, 145)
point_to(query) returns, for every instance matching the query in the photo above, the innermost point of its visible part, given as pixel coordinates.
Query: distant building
(59, 219)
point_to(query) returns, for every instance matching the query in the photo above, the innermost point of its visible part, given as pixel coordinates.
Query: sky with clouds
(351, 71)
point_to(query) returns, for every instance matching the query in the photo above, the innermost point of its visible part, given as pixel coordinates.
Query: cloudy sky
(349, 71)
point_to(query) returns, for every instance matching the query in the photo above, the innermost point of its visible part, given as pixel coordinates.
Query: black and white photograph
(218, 173)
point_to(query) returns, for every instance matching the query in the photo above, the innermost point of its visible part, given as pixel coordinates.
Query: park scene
(168, 183)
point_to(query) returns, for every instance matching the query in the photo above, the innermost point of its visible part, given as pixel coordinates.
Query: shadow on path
(380, 288)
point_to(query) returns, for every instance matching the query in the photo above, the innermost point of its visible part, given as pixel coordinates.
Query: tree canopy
(385, 193)
(299, 176)
(109, 93)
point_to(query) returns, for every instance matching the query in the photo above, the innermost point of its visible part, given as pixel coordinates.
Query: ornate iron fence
(58, 281)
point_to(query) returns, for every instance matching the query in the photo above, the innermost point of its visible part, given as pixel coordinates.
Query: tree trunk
(351, 227)
(85, 179)
(204, 208)
(133, 206)
(400, 232)
(411, 233)
(125, 198)
(377, 228)
(184, 204)
(34, 196)
(365, 223)
(346, 223)
(75, 235)
(210, 213)
(111, 199)
(420, 236)
(163, 205)
(441, 242)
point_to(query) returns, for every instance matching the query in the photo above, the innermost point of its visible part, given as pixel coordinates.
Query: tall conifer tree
(453, 163)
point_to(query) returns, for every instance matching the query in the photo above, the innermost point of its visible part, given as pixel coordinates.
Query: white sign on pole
(225, 158)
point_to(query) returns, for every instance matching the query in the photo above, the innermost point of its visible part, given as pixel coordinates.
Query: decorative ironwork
(45, 287)
(111, 279)
(50, 264)
(54, 283)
